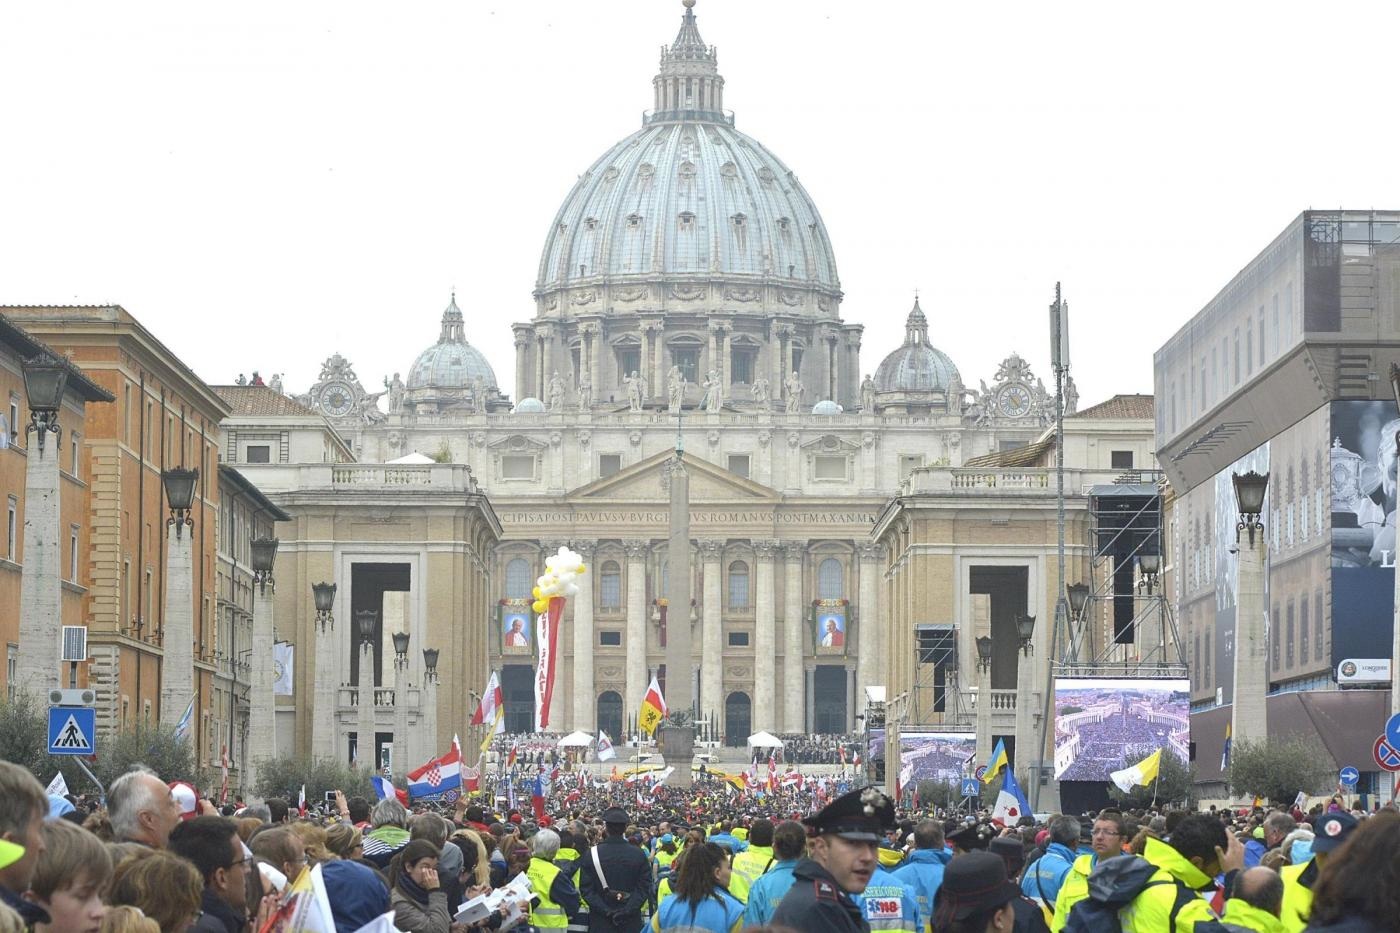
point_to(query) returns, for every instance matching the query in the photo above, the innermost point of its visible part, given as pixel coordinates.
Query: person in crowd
(357, 893)
(747, 866)
(23, 806)
(166, 887)
(1197, 850)
(313, 840)
(357, 812)
(126, 919)
(142, 809)
(768, 890)
(1275, 827)
(277, 810)
(344, 840)
(846, 833)
(70, 877)
(1043, 879)
(615, 879)
(1107, 836)
(923, 870)
(558, 898)
(975, 896)
(1027, 915)
(389, 833)
(433, 828)
(1255, 903)
(211, 843)
(664, 857)
(1358, 888)
(888, 903)
(282, 849)
(725, 837)
(1333, 828)
(700, 898)
(420, 906)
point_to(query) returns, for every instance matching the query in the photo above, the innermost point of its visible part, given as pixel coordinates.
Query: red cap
(186, 797)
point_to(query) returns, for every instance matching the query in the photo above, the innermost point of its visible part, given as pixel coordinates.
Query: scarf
(412, 889)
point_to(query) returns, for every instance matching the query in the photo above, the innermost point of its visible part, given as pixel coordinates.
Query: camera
(330, 796)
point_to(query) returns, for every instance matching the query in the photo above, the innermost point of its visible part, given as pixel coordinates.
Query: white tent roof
(765, 740)
(576, 740)
(414, 457)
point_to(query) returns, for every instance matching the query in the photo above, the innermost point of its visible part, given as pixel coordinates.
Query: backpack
(1114, 884)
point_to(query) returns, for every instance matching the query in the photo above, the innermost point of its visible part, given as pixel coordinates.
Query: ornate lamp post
(40, 604)
(984, 698)
(177, 631)
(262, 704)
(180, 485)
(323, 720)
(399, 763)
(1150, 566)
(1077, 595)
(323, 594)
(366, 621)
(1249, 713)
(1025, 688)
(429, 699)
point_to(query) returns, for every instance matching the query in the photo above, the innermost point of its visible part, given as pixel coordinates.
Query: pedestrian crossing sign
(72, 730)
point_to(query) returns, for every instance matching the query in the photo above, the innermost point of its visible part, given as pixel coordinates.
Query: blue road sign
(1350, 776)
(72, 730)
(1392, 730)
(969, 787)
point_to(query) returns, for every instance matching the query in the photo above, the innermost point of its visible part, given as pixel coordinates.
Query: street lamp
(1025, 627)
(1249, 497)
(1149, 565)
(364, 624)
(45, 377)
(324, 596)
(430, 660)
(1078, 595)
(264, 554)
(179, 493)
(984, 652)
(400, 649)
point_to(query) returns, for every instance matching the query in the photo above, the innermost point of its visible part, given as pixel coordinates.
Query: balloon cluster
(560, 572)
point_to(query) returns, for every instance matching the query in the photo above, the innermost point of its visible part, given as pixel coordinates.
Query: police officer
(615, 878)
(846, 834)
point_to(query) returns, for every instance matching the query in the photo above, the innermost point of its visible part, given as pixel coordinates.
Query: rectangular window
(14, 425)
(259, 453)
(741, 365)
(1304, 645)
(73, 454)
(73, 553)
(797, 360)
(608, 464)
(688, 359)
(517, 466)
(738, 464)
(11, 669)
(908, 463)
(1237, 357)
(1121, 459)
(738, 639)
(12, 529)
(1274, 639)
(829, 467)
(1249, 347)
(629, 360)
(612, 639)
(125, 618)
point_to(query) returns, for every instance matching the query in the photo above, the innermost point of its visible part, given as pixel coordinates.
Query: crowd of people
(614, 857)
(799, 748)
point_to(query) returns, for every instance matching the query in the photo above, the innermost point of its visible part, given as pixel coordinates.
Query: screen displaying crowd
(1104, 725)
(937, 756)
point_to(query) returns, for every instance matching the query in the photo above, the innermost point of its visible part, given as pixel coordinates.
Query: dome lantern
(689, 86)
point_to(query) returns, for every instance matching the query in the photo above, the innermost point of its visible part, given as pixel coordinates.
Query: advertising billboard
(1362, 471)
(936, 756)
(1103, 723)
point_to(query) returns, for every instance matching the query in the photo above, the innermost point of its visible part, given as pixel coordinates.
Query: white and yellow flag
(1142, 773)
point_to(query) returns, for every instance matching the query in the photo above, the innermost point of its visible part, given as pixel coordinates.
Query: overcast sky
(263, 184)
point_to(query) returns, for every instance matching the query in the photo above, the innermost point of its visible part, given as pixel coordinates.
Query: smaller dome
(451, 363)
(826, 407)
(528, 406)
(917, 365)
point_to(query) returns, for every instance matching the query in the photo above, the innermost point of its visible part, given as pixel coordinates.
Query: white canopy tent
(414, 457)
(765, 740)
(576, 740)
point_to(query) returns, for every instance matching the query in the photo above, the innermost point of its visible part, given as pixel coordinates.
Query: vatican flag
(995, 763)
(653, 708)
(1144, 772)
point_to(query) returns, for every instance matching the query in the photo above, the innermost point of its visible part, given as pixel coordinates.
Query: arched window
(831, 579)
(518, 584)
(610, 586)
(738, 585)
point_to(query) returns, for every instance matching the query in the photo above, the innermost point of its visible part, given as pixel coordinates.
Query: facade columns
(793, 695)
(658, 371)
(41, 592)
(429, 729)
(585, 702)
(809, 691)
(522, 362)
(775, 366)
(871, 670)
(711, 640)
(726, 361)
(262, 711)
(637, 678)
(765, 714)
(984, 711)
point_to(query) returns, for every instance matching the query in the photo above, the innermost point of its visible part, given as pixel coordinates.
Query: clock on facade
(1014, 401)
(337, 400)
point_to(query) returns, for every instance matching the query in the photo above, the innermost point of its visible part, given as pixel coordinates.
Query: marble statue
(556, 392)
(956, 394)
(867, 395)
(275, 384)
(675, 389)
(714, 392)
(634, 391)
(794, 390)
(585, 392)
(759, 391)
(1071, 396)
(478, 394)
(396, 390)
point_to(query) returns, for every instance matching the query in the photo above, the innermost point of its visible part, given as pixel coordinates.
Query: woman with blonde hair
(128, 920)
(168, 889)
(345, 841)
(314, 838)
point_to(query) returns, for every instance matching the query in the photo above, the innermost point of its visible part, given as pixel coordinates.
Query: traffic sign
(1392, 730)
(72, 730)
(981, 770)
(1386, 754)
(1350, 776)
(969, 787)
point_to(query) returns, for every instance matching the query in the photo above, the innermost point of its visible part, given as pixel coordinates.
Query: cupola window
(634, 220)
(687, 220)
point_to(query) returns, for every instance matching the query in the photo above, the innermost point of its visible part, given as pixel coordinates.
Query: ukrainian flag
(996, 763)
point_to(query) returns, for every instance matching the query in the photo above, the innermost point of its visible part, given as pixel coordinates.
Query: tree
(938, 794)
(284, 777)
(155, 747)
(1277, 768)
(1174, 784)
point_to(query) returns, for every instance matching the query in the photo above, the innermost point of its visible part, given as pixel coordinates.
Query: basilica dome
(917, 365)
(451, 363)
(688, 194)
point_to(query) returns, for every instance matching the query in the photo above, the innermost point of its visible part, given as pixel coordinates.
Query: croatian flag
(438, 776)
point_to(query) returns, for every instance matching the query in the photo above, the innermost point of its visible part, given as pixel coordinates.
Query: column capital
(766, 548)
(870, 551)
(793, 551)
(636, 548)
(711, 549)
(585, 549)
(552, 545)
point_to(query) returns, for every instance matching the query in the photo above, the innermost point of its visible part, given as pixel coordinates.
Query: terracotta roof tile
(1121, 406)
(260, 400)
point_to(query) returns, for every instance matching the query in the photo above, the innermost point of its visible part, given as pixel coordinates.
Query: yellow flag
(653, 708)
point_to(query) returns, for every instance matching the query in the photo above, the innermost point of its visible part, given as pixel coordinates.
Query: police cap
(615, 816)
(861, 815)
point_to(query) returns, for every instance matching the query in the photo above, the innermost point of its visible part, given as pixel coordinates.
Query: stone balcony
(1030, 482)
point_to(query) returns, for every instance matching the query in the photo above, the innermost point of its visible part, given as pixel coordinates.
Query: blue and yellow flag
(995, 763)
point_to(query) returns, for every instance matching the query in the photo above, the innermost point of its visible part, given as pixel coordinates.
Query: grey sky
(263, 184)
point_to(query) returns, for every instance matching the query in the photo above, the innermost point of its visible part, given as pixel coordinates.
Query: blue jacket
(711, 915)
(735, 846)
(767, 892)
(889, 904)
(1254, 850)
(1043, 879)
(923, 871)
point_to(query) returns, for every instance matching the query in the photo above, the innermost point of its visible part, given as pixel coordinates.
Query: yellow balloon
(582, 569)
(541, 605)
(536, 592)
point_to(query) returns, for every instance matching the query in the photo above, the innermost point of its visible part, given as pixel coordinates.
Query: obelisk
(678, 741)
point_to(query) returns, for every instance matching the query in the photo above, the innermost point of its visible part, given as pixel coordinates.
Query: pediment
(517, 443)
(646, 481)
(830, 444)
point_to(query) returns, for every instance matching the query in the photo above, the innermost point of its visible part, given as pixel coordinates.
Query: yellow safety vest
(747, 868)
(546, 915)
(1297, 899)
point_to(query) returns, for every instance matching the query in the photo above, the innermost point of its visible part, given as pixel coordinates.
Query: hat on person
(974, 836)
(861, 815)
(10, 852)
(972, 883)
(1333, 830)
(187, 799)
(1011, 852)
(667, 839)
(356, 894)
(615, 816)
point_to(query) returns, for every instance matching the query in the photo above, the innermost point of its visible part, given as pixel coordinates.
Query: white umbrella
(765, 740)
(576, 740)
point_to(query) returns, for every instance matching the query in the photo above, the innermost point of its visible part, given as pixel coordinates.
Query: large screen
(936, 756)
(1103, 725)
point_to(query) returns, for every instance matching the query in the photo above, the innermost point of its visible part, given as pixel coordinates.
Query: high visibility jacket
(1297, 894)
(547, 915)
(1242, 917)
(1151, 910)
(1073, 889)
(748, 867)
(889, 904)
(663, 862)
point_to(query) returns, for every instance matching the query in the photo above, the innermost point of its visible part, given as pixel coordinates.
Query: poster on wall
(1103, 725)
(937, 756)
(515, 625)
(1361, 465)
(830, 617)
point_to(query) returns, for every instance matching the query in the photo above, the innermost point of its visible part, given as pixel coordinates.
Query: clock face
(1014, 401)
(337, 400)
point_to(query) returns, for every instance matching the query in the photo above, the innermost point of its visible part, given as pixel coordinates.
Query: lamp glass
(1078, 595)
(364, 623)
(45, 377)
(430, 658)
(1025, 626)
(264, 553)
(179, 486)
(400, 643)
(1150, 564)
(324, 595)
(984, 647)
(1249, 491)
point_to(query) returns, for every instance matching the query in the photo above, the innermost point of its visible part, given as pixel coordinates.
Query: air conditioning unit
(74, 643)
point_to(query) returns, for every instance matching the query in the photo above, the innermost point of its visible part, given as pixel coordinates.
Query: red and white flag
(547, 633)
(223, 769)
(490, 712)
(772, 774)
(301, 800)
